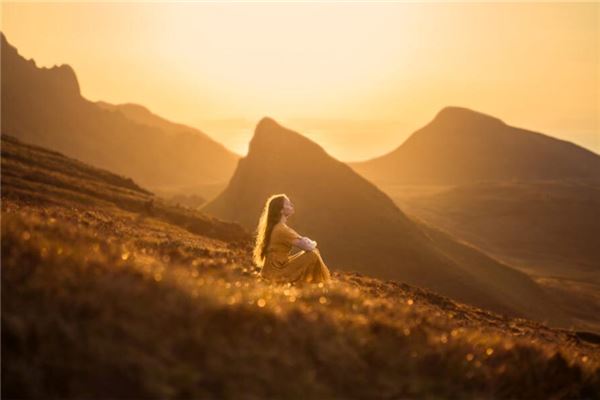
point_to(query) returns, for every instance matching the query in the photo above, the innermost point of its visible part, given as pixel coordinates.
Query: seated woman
(274, 241)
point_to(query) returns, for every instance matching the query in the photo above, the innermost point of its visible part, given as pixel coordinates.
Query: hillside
(44, 106)
(360, 229)
(548, 229)
(464, 146)
(35, 175)
(106, 294)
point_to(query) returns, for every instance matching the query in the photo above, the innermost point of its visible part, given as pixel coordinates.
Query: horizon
(351, 114)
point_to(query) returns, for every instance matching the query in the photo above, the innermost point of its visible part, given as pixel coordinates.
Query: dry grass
(138, 308)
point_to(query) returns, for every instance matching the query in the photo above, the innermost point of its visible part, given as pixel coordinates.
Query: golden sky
(358, 78)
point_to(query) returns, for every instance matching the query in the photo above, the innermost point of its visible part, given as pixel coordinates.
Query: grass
(103, 297)
(97, 311)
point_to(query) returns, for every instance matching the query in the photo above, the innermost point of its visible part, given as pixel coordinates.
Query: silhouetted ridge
(267, 124)
(60, 79)
(43, 106)
(131, 107)
(463, 146)
(453, 115)
(65, 77)
(271, 137)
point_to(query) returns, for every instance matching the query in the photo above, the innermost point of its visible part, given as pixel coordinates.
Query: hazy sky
(357, 78)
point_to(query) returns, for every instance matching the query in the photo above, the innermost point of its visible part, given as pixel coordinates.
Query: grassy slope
(548, 224)
(113, 299)
(547, 229)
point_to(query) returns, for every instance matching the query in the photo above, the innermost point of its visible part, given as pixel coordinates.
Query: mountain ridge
(460, 145)
(45, 107)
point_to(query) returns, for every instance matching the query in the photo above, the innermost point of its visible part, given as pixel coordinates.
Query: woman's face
(288, 207)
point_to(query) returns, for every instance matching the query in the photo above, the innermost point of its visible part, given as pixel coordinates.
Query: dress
(282, 266)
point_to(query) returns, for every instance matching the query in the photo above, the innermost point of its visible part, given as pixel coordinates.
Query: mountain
(104, 296)
(359, 228)
(141, 115)
(44, 106)
(461, 145)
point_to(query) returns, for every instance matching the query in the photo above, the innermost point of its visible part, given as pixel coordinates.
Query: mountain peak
(66, 74)
(266, 124)
(270, 136)
(463, 116)
(56, 79)
(269, 130)
(464, 146)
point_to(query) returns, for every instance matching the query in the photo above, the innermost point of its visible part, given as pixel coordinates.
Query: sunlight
(388, 67)
(280, 58)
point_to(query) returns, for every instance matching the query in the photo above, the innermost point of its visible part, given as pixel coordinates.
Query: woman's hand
(311, 243)
(305, 243)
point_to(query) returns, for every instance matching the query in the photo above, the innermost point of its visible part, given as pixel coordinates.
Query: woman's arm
(305, 243)
(302, 242)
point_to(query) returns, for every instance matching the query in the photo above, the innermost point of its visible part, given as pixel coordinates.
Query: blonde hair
(270, 216)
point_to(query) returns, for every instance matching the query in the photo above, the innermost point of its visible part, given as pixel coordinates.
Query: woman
(274, 241)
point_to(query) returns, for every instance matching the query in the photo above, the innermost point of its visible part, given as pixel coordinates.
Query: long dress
(282, 266)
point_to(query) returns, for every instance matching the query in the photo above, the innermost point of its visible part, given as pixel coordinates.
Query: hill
(360, 229)
(464, 146)
(34, 175)
(44, 106)
(548, 229)
(107, 295)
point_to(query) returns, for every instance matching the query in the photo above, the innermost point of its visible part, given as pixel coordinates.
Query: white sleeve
(307, 244)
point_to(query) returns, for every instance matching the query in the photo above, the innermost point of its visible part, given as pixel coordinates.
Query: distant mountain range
(463, 146)
(44, 106)
(360, 229)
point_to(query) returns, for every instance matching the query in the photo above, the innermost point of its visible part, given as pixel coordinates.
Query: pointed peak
(267, 124)
(6, 46)
(60, 78)
(269, 129)
(269, 135)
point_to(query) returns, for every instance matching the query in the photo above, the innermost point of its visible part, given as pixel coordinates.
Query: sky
(357, 78)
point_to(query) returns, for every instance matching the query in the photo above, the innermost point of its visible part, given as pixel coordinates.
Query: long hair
(270, 216)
